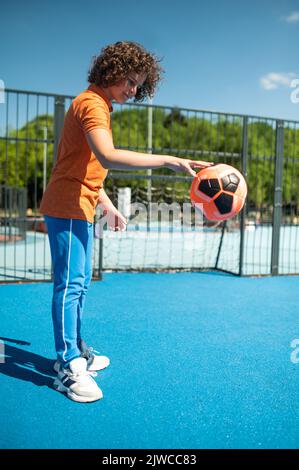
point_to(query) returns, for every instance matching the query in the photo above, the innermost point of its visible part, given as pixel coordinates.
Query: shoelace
(89, 352)
(86, 372)
(92, 350)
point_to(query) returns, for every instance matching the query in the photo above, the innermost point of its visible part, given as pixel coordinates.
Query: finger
(120, 228)
(200, 164)
(123, 220)
(190, 171)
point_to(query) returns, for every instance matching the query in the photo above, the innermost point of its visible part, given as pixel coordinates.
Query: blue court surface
(198, 360)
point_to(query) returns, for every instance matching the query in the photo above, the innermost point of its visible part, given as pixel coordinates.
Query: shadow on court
(25, 365)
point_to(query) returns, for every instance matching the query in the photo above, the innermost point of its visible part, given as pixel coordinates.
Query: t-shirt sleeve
(93, 114)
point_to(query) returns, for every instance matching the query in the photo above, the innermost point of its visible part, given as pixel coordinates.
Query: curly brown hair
(117, 61)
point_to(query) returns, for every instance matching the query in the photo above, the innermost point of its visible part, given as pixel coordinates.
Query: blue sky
(221, 55)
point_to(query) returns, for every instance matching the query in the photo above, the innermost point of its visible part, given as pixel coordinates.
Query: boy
(85, 154)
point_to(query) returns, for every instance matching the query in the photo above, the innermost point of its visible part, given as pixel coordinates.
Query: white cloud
(292, 18)
(273, 80)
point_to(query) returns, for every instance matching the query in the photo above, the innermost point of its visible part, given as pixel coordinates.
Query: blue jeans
(71, 243)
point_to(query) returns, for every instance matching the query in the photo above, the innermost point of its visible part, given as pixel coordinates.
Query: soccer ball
(221, 189)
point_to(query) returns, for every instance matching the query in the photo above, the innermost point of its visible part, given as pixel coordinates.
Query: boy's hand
(115, 220)
(186, 165)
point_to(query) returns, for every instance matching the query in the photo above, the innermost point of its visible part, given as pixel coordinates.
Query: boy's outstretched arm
(101, 144)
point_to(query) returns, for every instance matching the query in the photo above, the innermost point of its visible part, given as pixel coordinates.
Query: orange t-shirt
(77, 176)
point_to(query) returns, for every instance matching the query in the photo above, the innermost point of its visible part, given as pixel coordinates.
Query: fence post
(150, 151)
(220, 244)
(59, 111)
(149, 147)
(244, 171)
(277, 202)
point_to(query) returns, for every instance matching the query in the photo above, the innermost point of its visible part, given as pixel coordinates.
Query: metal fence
(263, 239)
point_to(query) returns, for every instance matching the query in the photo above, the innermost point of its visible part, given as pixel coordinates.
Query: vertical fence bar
(149, 148)
(5, 182)
(59, 110)
(277, 202)
(26, 181)
(244, 170)
(220, 244)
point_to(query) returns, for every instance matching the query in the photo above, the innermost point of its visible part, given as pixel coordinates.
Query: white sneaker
(94, 363)
(76, 381)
